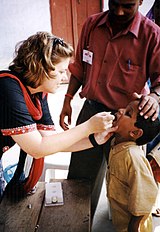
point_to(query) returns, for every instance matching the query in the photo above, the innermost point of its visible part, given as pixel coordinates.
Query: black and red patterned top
(15, 117)
(20, 112)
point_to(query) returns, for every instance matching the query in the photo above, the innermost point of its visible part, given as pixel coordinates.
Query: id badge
(87, 56)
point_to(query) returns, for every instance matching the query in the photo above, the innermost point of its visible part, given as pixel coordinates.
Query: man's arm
(73, 87)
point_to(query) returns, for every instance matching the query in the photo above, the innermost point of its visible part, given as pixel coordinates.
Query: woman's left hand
(102, 137)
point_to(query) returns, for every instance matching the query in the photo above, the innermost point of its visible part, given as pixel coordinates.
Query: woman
(40, 64)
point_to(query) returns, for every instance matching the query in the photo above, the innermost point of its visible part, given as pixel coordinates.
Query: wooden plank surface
(74, 215)
(18, 217)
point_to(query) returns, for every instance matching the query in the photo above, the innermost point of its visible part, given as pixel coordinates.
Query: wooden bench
(30, 214)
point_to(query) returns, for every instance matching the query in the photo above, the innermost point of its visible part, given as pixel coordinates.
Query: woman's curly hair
(36, 56)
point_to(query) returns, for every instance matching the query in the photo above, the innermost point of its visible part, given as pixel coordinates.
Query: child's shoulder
(136, 151)
(137, 155)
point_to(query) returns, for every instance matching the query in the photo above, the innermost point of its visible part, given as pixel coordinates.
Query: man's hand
(148, 106)
(65, 113)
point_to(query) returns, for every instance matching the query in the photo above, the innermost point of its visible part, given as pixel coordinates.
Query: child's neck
(120, 139)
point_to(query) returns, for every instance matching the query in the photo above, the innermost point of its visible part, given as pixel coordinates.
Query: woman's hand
(100, 122)
(102, 137)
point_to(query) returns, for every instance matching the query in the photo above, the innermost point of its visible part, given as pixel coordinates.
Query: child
(131, 189)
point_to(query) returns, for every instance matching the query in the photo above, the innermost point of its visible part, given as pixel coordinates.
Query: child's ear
(136, 133)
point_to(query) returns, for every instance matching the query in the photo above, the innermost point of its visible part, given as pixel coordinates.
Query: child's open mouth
(115, 121)
(115, 115)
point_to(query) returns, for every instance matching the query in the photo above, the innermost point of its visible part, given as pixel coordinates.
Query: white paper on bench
(53, 194)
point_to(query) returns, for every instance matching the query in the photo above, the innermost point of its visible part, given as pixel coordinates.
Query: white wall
(21, 18)
(18, 20)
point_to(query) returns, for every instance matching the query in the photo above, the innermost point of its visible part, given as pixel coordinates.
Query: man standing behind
(118, 51)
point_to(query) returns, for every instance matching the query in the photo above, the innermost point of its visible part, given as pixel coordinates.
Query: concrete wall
(18, 20)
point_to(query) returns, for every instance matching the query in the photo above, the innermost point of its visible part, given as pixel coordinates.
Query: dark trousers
(90, 164)
(153, 143)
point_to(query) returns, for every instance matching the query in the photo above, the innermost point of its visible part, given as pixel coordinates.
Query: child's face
(125, 120)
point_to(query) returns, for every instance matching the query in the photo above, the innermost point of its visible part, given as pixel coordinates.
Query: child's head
(133, 127)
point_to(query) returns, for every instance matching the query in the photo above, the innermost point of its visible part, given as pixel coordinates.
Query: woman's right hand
(100, 122)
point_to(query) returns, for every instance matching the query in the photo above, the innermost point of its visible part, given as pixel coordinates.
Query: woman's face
(59, 74)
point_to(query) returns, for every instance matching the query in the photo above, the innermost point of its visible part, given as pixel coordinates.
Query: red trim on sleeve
(46, 127)
(19, 130)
